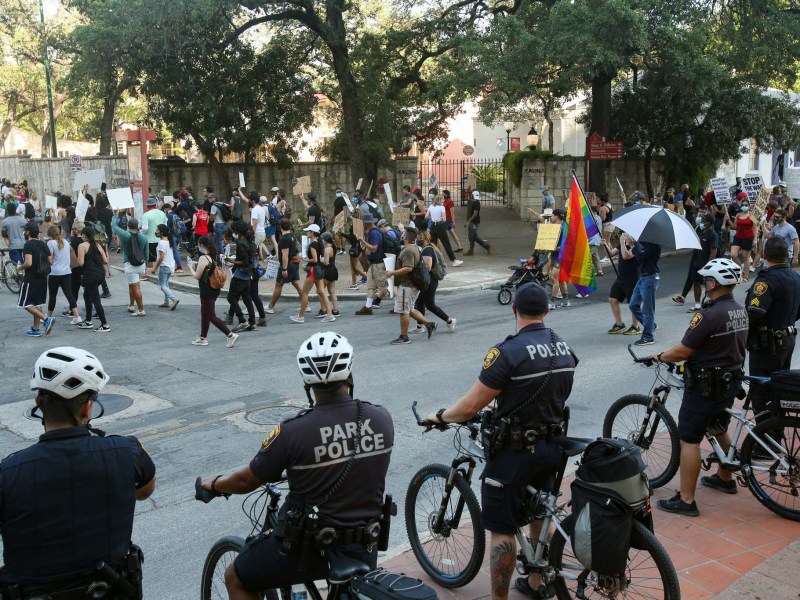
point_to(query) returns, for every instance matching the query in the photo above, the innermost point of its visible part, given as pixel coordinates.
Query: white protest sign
(390, 260)
(349, 204)
(388, 191)
(94, 179)
(241, 180)
(433, 181)
(792, 178)
(752, 186)
(721, 192)
(306, 243)
(120, 198)
(621, 189)
(51, 202)
(81, 207)
(137, 206)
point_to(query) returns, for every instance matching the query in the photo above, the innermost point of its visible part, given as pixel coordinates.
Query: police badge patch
(760, 288)
(491, 356)
(273, 435)
(695, 320)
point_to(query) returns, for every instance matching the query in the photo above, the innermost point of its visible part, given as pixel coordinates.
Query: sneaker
(431, 327)
(469, 253)
(103, 328)
(551, 306)
(228, 319)
(579, 295)
(240, 327)
(327, 319)
(694, 309)
(320, 314)
(131, 310)
(85, 325)
(335, 313)
(174, 304)
(364, 311)
(141, 313)
(418, 329)
(105, 295)
(458, 263)
(164, 304)
(262, 323)
(362, 281)
(144, 278)
(451, 325)
(179, 270)
(564, 304)
(716, 482)
(678, 299)
(617, 328)
(232, 340)
(201, 341)
(352, 287)
(269, 310)
(66, 313)
(376, 303)
(48, 325)
(643, 342)
(76, 321)
(403, 339)
(37, 333)
(458, 250)
(297, 319)
(251, 327)
(632, 331)
(676, 505)
(605, 261)
(340, 252)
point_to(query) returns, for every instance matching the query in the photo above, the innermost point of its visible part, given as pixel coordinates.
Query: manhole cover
(112, 404)
(272, 415)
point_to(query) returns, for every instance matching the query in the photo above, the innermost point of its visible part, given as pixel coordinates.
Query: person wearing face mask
(201, 270)
(709, 243)
(408, 198)
(33, 292)
(780, 228)
(339, 205)
(746, 227)
(714, 350)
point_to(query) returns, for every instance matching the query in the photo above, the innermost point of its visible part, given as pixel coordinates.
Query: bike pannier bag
(786, 389)
(383, 585)
(616, 464)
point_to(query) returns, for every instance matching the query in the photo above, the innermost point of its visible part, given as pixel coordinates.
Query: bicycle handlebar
(205, 496)
(443, 426)
(649, 361)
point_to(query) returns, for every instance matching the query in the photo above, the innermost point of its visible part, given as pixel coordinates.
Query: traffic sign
(597, 148)
(468, 150)
(75, 162)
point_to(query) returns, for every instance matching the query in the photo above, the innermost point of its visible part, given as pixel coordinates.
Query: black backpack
(30, 211)
(323, 220)
(420, 276)
(391, 245)
(224, 210)
(136, 252)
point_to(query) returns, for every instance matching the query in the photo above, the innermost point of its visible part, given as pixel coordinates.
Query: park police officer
(67, 502)
(773, 305)
(530, 375)
(336, 456)
(713, 348)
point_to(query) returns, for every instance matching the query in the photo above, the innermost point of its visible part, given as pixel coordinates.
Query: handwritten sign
(388, 191)
(303, 186)
(339, 222)
(752, 186)
(94, 179)
(547, 237)
(347, 202)
(50, 202)
(241, 180)
(759, 207)
(401, 216)
(120, 198)
(358, 228)
(722, 193)
(792, 177)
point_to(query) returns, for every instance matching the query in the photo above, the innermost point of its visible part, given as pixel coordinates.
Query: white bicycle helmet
(722, 270)
(325, 357)
(68, 372)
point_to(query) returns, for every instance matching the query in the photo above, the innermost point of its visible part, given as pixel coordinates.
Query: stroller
(523, 273)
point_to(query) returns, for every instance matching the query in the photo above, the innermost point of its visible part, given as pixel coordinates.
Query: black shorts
(504, 481)
(698, 414)
(622, 289)
(743, 243)
(262, 565)
(292, 274)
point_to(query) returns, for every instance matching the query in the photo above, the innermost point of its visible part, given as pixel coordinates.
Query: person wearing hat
(258, 220)
(12, 231)
(152, 218)
(133, 243)
(472, 224)
(377, 286)
(315, 278)
(548, 201)
(511, 375)
(275, 195)
(33, 292)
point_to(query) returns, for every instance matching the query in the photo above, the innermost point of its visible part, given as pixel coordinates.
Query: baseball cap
(312, 197)
(560, 213)
(20, 209)
(313, 227)
(531, 299)
(741, 196)
(547, 212)
(213, 195)
(382, 222)
(31, 228)
(133, 224)
(476, 194)
(151, 200)
(782, 184)
(544, 188)
(368, 218)
(407, 188)
(263, 200)
(275, 189)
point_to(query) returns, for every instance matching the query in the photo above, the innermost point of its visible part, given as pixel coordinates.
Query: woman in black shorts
(746, 228)
(330, 274)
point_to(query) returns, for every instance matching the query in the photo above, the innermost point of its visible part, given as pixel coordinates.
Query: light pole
(508, 126)
(54, 150)
(533, 138)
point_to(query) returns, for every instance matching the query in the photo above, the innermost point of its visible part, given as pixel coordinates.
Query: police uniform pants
(764, 364)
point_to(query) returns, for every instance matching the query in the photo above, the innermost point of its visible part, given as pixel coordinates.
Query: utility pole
(54, 150)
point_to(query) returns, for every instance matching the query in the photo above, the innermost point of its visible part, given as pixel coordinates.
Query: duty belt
(333, 537)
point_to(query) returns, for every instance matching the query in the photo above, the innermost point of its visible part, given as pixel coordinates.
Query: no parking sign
(75, 162)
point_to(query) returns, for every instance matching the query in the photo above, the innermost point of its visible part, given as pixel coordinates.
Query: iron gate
(461, 176)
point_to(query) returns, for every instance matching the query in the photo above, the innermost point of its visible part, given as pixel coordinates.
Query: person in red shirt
(200, 224)
(746, 228)
(449, 219)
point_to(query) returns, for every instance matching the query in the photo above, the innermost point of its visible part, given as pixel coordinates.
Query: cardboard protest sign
(792, 178)
(81, 207)
(752, 186)
(390, 260)
(50, 202)
(358, 228)
(241, 180)
(401, 216)
(120, 198)
(347, 202)
(303, 186)
(722, 194)
(472, 181)
(360, 181)
(94, 179)
(547, 236)
(388, 191)
(759, 207)
(339, 222)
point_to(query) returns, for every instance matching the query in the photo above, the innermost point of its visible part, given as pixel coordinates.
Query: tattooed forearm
(502, 568)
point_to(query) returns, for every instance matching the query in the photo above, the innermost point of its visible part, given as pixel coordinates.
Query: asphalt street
(204, 410)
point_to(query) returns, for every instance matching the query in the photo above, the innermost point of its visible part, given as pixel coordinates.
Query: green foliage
(513, 162)
(489, 178)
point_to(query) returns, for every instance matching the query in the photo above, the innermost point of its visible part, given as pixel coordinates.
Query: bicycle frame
(439, 524)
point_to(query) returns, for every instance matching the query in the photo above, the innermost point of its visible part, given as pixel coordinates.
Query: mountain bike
(645, 421)
(8, 273)
(443, 522)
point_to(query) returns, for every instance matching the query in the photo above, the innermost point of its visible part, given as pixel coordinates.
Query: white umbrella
(657, 225)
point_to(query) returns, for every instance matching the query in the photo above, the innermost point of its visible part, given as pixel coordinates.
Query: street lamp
(53, 149)
(533, 138)
(508, 126)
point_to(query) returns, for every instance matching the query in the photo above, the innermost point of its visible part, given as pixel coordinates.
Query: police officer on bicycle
(530, 376)
(67, 502)
(335, 457)
(773, 305)
(713, 348)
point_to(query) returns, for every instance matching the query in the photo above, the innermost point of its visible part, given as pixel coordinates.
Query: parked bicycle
(766, 459)
(449, 541)
(8, 273)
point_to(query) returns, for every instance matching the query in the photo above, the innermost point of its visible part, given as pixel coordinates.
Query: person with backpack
(36, 262)
(177, 230)
(409, 284)
(152, 218)
(391, 238)
(377, 286)
(220, 214)
(289, 257)
(434, 261)
(201, 270)
(241, 273)
(449, 205)
(93, 261)
(101, 238)
(315, 278)
(530, 375)
(271, 226)
(134, 255)
(315, 215)
(437, 215)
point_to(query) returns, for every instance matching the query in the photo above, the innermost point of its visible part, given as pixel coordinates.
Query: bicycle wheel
(222, 554)
(661, 448)
(775, 487)
(12, 279)
(650, 571)
(504, 296)
(451, 558)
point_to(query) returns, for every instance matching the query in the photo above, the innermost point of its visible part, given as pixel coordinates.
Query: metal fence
(462, 176)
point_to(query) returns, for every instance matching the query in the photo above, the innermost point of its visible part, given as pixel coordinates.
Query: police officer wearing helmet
(342, 490)
(530, 375)
(713, 348)
(67, 502)
(773, 305)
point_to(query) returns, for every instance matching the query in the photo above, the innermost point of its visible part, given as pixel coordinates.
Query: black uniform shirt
(517, 368)
(314, 448)
(774, 298)
(68, 502)
(718, 335)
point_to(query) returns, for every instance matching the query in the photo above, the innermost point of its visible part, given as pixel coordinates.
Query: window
(754, 155)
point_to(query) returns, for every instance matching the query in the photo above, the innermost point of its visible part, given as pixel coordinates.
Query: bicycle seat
(572, 446)
(343, 568)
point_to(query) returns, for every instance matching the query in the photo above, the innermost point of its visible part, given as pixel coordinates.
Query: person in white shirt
(258, 220)
(437, 215)
(60, 273)
(165, 266)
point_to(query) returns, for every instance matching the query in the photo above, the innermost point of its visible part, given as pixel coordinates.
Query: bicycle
(8, 273)
(450, 545)
(765, 463)
(645, 421)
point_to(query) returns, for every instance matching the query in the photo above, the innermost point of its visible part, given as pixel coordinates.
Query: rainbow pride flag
(575, 256)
